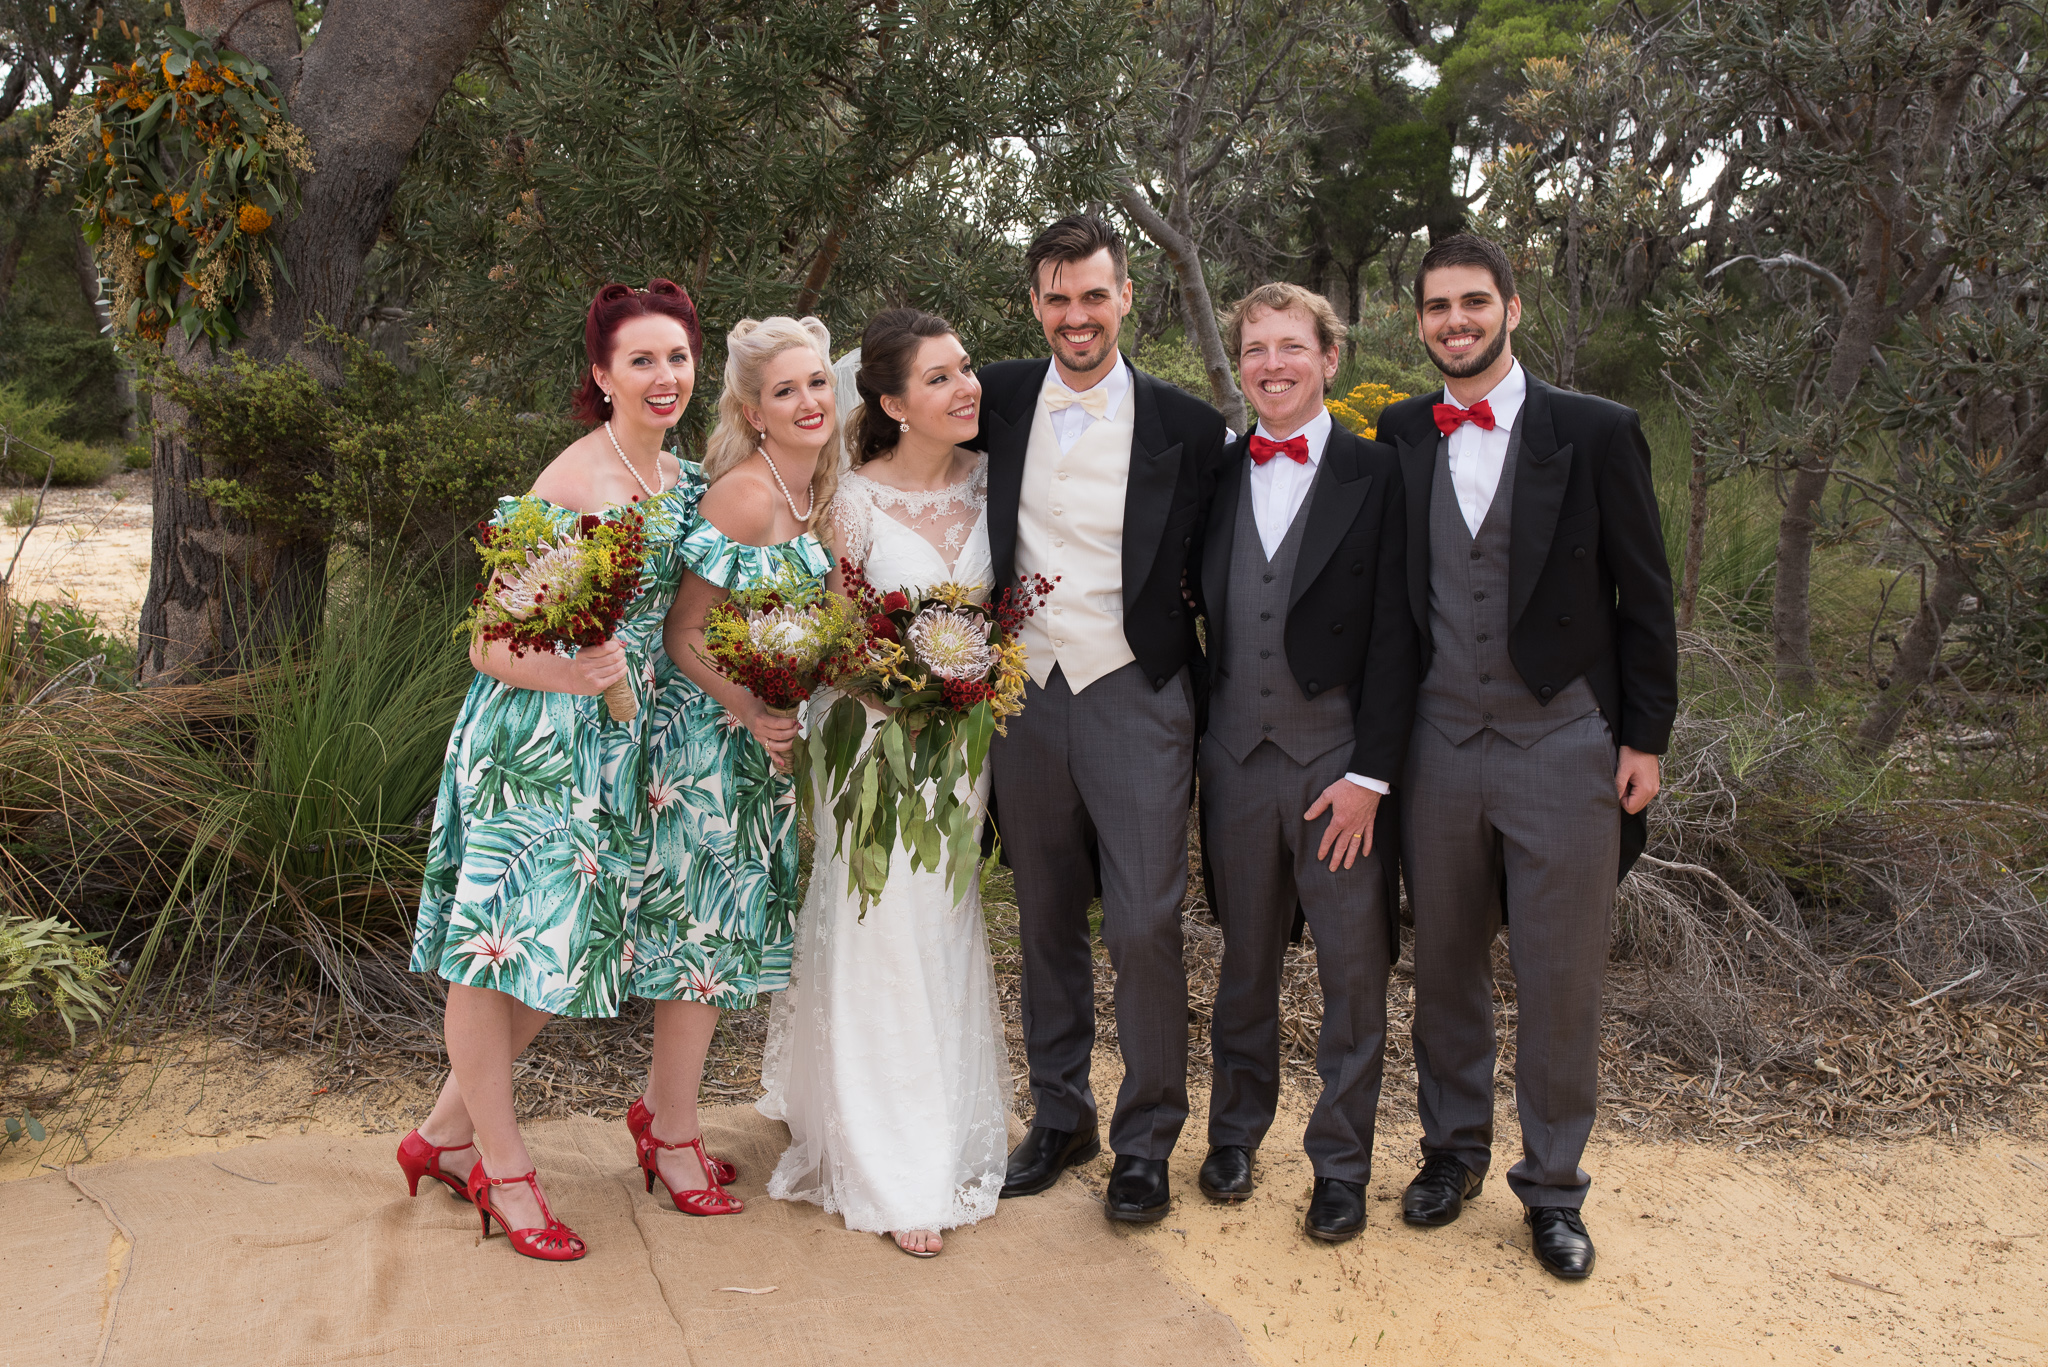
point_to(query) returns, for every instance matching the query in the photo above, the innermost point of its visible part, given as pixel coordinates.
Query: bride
(885, 1056)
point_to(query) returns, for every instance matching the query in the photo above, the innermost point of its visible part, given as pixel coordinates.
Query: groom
(1099, 478)
(1305, 583)
(1536, 574)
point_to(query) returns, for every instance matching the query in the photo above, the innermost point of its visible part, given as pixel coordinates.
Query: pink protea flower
(550, 569)
(953, 645)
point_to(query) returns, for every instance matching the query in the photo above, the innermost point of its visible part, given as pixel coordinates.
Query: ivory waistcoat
(1070, 526)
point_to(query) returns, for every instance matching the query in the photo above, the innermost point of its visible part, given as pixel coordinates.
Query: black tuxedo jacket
(1348, 623)
(1589, 588)
(1176, 445)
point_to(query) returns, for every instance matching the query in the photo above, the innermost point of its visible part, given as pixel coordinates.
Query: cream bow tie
(1095, 402)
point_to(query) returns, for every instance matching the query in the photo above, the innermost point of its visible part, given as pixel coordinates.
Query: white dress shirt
(1278, 487)
(1069, 423)
(1477, 455)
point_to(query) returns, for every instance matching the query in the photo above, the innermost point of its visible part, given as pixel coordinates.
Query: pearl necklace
(659, 477)
(803, 517)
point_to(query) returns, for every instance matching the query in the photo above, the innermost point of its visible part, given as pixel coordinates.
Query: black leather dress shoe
(1137, 1190)
(1336, 1210)
(1227, 1174)
(1042, 1155)
(1439, 1192)
(1559, 1237)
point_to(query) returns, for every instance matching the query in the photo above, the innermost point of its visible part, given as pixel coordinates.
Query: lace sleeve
(852, 522)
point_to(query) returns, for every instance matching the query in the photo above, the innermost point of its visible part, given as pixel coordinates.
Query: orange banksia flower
(252, 219)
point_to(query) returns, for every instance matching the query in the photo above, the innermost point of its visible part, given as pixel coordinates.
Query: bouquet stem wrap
(620, 701)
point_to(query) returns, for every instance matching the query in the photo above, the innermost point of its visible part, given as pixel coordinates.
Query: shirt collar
(1505, 398)
(1115, 384)
(1317, 430)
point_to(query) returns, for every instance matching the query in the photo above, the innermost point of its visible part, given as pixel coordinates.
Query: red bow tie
(1449, 417)
(1295, 448)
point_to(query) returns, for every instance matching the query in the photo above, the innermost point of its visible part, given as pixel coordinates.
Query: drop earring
(904, 425)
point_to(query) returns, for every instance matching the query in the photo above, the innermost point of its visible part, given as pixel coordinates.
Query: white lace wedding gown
(885, 1057)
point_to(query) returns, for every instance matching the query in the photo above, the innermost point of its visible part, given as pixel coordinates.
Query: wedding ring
(1358, 836)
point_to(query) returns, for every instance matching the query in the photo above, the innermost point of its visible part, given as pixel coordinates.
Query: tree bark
(1919, 653)
(1695, 534)
(1199, 310)
(224, 592)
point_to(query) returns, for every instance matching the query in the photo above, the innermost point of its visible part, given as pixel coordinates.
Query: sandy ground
(1921, 1251)
(90, 549)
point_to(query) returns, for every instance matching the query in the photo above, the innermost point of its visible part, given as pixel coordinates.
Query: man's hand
(1635, 780)
(1352, 807)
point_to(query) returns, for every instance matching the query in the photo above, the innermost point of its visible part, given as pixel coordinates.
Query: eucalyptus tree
(772, 156)
(1877, 140)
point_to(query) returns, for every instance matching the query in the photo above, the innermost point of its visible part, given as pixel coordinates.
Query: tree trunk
(1695, 534)
(1919, 654)
(1200, 311)
(224, 592)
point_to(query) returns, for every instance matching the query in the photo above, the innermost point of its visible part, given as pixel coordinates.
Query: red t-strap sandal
(553, 1242)
(711, 1200)
(638, 1118)
(417, 1158)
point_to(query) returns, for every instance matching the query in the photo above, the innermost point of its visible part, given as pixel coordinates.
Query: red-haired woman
(541, 829)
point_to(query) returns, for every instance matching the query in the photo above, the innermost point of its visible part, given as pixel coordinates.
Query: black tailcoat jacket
(1589, 587)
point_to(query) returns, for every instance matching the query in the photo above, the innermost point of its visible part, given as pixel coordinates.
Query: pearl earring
(607, 398)
(905, 426)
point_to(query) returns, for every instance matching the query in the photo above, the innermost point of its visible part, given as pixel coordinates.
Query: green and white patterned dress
(717, 915)
(541, 826)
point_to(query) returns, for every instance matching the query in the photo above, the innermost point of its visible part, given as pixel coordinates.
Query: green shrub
(34, 449)
(1381, 348)
(50, 967)
(67, 634)
(135, 456)
(1174, 359)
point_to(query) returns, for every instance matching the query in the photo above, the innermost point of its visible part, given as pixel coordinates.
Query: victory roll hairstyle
(887, 351)
(1467, 249)
(610, 310)
(1075, 238)
(749, 347)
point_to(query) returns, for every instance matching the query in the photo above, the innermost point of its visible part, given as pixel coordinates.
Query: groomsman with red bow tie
(1537, 577)
(1313, 671)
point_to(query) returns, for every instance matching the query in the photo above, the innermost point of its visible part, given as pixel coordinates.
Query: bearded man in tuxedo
(1538, 580)
(1098, 479)
(1313, 667)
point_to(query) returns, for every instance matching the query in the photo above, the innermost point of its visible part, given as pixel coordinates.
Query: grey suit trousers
(1105, 775)
(1261, 857)
(1545, 822)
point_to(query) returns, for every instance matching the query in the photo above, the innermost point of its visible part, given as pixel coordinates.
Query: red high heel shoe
(553, 1242)
(711, 1200)
(638, 1118)
(417, 1158)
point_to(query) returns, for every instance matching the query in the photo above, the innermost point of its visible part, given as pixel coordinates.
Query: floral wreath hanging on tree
(183, 165)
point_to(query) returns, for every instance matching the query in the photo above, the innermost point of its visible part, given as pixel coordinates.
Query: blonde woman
(715, 922)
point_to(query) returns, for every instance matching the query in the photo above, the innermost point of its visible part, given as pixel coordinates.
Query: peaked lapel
(1008, 437)
(1221, 543)
(1334, 498)
(1419, 462)
(1542, 468)
(1148, 491)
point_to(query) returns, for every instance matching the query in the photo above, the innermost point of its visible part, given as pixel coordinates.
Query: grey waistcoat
(1256, 697)
(1472, 685)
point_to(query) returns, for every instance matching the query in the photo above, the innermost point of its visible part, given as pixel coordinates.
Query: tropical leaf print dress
(717, 915)
(541, 825)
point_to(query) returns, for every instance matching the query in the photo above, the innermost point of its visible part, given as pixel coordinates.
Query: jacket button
(1159, 683)
(1314, 687)
(1358, 568)
(1336, 628)
(1186, 542)
(1564, 621)
(1578, 552)
(1173, 616)
(1545, 692)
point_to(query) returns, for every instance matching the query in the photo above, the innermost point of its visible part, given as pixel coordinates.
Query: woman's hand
(776, 732)
(597, 667)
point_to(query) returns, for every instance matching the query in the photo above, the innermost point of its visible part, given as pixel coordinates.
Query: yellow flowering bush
(181, 166)
(1360, 409)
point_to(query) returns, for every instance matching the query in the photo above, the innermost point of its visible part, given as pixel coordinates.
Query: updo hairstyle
(748, 349)
(610, 310)
(888, 349)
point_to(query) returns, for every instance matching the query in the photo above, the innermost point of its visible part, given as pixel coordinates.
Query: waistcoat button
(1479, 595)
(1265, 617)
(1482, 636)
(1265, 654)
(1564, 621)
(1486, 678)
(1336, 628)
(1478, 554)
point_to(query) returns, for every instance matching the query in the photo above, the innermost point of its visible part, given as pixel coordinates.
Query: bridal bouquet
(949, 671)
(546, 586)
(784, 639)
